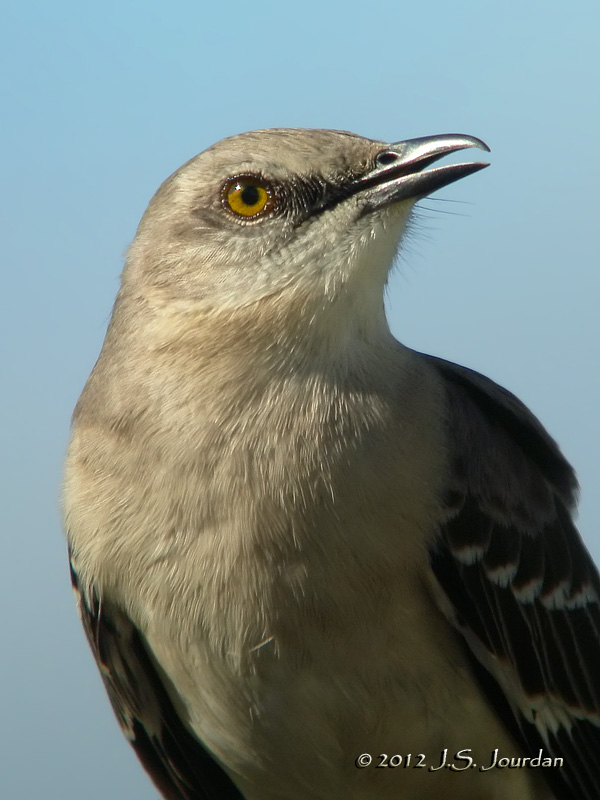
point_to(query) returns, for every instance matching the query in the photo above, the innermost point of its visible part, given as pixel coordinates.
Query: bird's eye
(248, 196)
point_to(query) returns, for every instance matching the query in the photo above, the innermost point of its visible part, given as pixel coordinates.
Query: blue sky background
(102, 101)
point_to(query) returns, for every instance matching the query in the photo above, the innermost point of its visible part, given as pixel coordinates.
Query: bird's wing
(517, 581)
(180, 767)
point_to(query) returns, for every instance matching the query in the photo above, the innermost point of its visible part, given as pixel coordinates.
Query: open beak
(399, 174)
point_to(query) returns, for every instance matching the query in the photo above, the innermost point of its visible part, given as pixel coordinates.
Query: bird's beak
(399, 172)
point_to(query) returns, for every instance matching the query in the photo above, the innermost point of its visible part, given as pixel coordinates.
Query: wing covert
(520, 587)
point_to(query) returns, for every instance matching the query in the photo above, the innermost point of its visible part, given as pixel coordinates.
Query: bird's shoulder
(485, 418)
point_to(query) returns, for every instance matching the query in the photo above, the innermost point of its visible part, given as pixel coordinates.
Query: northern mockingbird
(313, 564)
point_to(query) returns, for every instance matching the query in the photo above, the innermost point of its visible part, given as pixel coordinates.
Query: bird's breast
(270, 547)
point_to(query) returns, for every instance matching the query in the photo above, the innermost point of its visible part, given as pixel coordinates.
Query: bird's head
(309, 216)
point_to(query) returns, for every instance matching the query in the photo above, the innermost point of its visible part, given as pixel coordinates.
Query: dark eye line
(331, 193)
(298, 199)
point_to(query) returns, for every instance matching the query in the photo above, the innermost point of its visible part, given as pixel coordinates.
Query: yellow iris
(247, 197)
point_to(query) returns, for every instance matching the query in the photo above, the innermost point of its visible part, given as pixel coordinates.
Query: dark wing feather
(523, 591)
(180, 767)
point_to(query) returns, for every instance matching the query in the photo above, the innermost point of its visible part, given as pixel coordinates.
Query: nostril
(386, 158)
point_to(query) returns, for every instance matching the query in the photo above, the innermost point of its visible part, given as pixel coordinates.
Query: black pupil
(250, 195)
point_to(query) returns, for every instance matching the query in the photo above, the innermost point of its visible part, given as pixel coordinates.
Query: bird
(313, 563)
